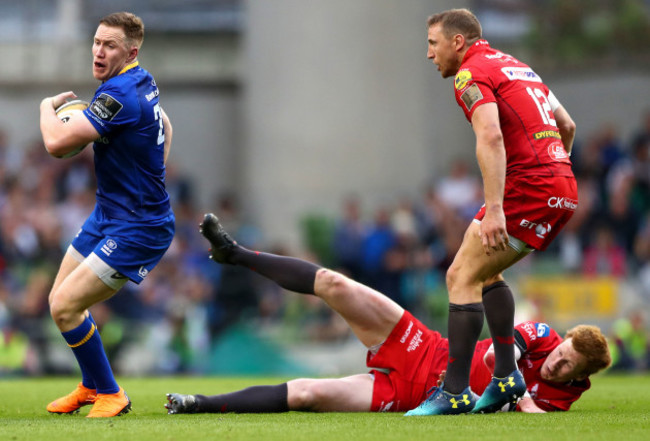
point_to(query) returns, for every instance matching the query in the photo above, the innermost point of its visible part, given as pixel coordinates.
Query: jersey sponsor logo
(151, 95)
(557, 153)
(541, 230)
(415, 341)
(547, 134)
(109, 247)
(533, 391)
(471, 96)
(142, 272)
(406, 333)
(543, 330)
(563, 203)
(521, 74)
(462, 78)
(106, 107)
(530, 331)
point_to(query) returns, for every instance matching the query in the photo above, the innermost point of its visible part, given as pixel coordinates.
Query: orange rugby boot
(110, 405)
(81, 396)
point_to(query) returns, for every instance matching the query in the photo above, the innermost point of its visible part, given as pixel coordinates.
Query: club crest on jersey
(462, 78)
(106, 107)
(557, 153)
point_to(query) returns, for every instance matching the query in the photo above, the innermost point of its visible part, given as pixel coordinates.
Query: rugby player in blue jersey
(132, 224)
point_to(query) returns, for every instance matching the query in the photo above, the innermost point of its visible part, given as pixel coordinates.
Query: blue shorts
(131, 248)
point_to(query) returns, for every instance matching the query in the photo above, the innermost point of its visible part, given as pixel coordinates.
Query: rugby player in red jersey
(523, 141)
(405, 357)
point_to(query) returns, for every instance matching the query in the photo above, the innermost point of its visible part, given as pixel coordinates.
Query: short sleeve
(112, 107)
(472, 88)
(535, 335)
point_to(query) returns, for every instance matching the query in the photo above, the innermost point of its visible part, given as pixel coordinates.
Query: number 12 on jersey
(543, 105)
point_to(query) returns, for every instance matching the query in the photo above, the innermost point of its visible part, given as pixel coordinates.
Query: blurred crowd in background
(172, 321)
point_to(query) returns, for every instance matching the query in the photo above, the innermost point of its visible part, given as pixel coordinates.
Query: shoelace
(433, 393)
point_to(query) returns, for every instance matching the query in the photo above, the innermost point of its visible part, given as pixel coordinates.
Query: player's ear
(133, 54)
(459, 41)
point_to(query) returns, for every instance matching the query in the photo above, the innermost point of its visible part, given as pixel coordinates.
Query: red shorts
(537, 208)
(414, 356)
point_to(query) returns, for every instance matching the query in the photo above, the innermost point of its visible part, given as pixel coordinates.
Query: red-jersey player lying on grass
(411, 356)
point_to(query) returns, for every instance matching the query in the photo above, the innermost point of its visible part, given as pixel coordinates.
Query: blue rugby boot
(501, 391)
(444, 403)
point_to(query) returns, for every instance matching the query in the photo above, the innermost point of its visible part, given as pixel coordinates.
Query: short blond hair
(131, 24)
(457, 21)
(589, 342)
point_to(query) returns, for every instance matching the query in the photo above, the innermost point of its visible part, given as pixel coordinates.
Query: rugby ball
(65, 112)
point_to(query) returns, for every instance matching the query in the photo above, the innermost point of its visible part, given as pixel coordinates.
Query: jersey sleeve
(472, 88)
(531, 336)
(112, 107)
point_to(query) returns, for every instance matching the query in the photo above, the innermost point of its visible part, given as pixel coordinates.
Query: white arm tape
(553, 101)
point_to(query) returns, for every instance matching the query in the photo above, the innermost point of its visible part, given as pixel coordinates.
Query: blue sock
(86, 379)
(86, 344)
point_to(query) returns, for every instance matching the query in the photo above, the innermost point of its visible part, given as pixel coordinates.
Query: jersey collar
(128, 67)
(478, 46)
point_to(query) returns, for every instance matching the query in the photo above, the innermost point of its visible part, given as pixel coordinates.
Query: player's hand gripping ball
(65, 112)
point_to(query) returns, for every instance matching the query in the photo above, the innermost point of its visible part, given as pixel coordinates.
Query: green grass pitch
(616, 408)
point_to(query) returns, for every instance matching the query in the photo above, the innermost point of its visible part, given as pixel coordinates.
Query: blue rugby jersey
(129, 155)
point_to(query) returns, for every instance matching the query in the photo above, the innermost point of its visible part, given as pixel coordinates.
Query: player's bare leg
(472, 272)
(77, 288)
(348, 394)
(370, 315)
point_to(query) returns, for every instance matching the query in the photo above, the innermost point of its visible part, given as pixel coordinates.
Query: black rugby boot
(222, 244)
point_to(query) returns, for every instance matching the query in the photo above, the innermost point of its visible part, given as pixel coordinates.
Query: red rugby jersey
(531, 136)
(535, 341)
